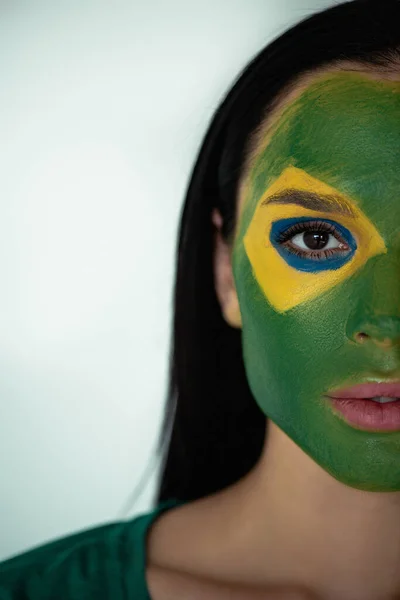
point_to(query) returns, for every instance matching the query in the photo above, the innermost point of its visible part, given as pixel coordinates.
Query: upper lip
(368, 390)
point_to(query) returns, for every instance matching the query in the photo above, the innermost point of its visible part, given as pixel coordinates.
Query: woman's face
(316, 265)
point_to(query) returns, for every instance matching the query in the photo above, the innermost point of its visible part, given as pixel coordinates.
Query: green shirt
(108, 561)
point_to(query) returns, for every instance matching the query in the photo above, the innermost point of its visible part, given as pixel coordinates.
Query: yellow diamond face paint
(283, 284)
(316, 263)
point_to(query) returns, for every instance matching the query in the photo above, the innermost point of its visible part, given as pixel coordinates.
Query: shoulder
(187, 538)
(189, 556)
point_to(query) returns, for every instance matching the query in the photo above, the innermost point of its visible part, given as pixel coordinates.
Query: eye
(312, 239)
(312, 244)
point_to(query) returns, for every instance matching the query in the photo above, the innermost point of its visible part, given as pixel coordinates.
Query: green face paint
(339, 141)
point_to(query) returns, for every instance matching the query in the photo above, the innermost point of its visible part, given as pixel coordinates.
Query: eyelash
(285, 236)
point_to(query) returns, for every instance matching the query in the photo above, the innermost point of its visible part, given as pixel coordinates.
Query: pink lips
(356, 407)
(369, 390)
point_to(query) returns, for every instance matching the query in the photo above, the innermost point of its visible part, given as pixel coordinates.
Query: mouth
(369, 406)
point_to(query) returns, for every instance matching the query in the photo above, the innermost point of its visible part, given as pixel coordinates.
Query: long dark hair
(213, 431)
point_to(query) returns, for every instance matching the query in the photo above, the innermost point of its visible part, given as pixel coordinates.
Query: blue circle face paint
(340, 247)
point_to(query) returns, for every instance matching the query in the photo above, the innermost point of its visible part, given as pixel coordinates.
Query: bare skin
(165, 584)
(287, 524)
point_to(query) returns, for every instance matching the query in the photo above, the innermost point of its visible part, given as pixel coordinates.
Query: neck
(296, 522)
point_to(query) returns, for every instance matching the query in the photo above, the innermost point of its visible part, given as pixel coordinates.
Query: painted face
(316, 260)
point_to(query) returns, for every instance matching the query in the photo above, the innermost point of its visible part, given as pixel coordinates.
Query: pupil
(316, 240)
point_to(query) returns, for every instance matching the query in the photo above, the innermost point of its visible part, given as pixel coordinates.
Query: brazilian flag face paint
(316, 259)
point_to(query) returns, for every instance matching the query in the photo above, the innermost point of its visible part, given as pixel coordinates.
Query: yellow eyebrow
(310, 200)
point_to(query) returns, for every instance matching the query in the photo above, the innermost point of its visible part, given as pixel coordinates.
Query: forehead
(343, 128)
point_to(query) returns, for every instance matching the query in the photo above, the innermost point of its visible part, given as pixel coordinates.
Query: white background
(102, 108)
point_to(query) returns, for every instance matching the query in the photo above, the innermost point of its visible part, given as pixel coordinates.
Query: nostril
(361, 337)
(380, 329)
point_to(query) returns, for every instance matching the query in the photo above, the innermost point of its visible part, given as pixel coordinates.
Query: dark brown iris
(316, 240)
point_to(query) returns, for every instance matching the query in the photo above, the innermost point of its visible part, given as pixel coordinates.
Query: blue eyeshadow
(311, 265)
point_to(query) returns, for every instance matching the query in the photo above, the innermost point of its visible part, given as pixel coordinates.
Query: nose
(375, 317)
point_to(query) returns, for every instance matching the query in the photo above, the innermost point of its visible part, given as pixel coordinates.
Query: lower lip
(369, 415)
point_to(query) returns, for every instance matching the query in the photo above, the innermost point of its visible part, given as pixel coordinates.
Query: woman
(282, 471)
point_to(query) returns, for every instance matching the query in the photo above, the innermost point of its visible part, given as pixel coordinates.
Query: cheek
(293, 354)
